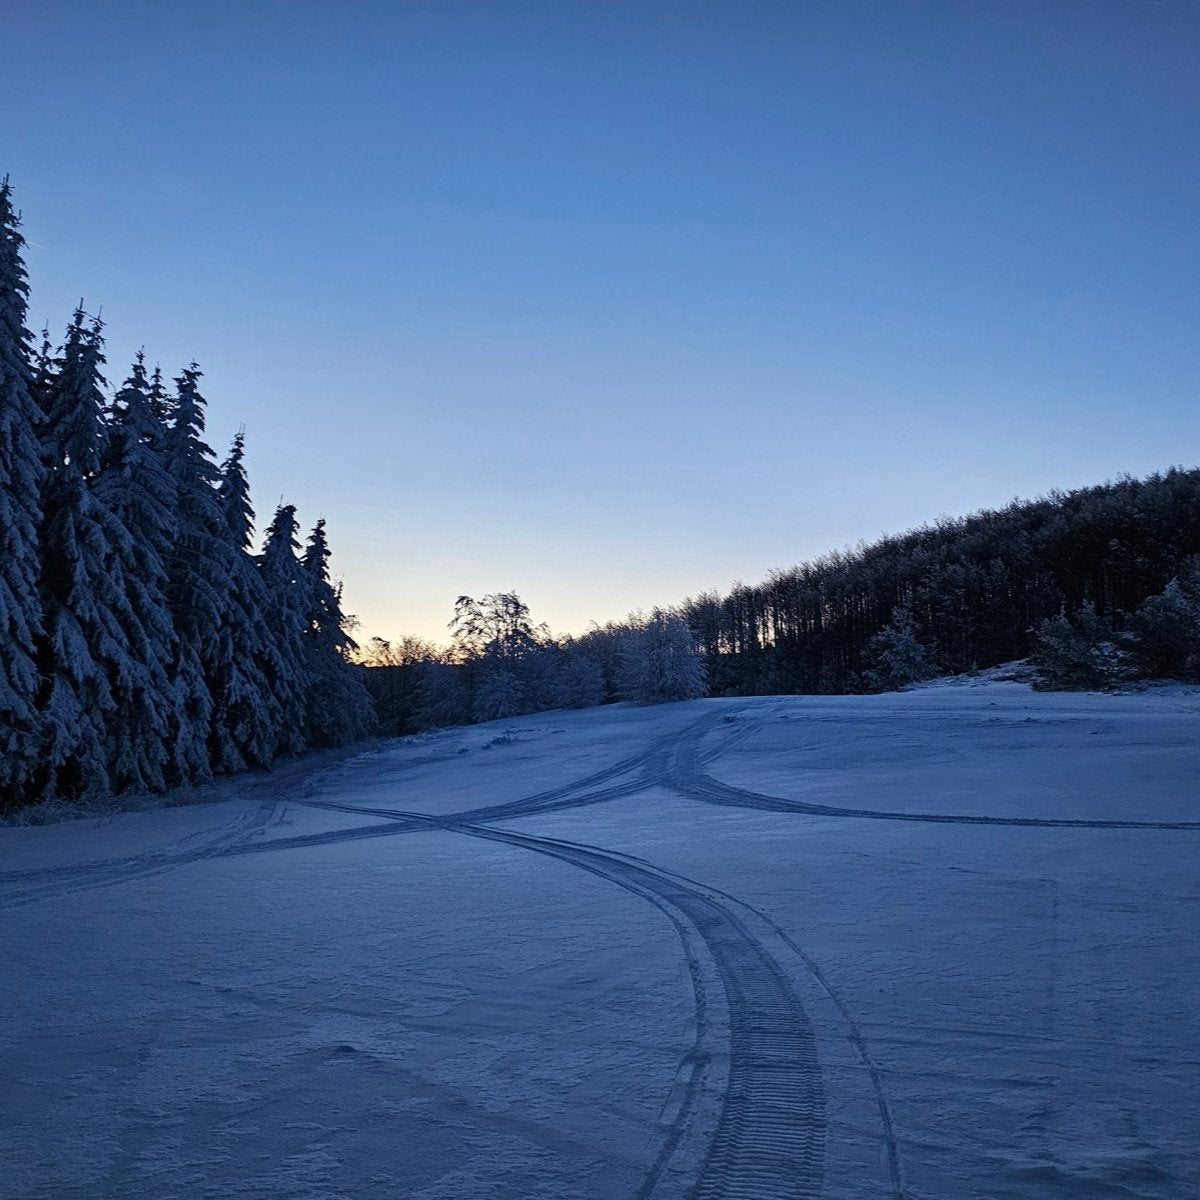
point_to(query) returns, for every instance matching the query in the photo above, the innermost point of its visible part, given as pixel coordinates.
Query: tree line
(1097, 586)
(143, 642)
(964, 593)
(499, 664)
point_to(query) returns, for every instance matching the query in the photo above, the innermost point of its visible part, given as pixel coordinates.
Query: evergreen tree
(1082, 654)
(161, 404)
(141, 644)
(20, 518)
(257, 683)
(339, 708)
(135, 488)
(89, 653)
(41, 388)
(1165, 630)
(288, 605)
(198, 576)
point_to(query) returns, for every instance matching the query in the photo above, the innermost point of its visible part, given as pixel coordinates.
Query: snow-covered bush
(1082, 654)
(1165, 630)
(896, 656)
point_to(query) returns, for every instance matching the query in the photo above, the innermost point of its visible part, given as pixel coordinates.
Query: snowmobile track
(769, 1142)
(688, 777)
(41, 882)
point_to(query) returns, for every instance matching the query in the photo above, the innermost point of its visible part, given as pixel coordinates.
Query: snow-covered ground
(937, 944)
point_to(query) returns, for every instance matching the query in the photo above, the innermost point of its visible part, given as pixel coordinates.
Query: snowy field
(937, 944)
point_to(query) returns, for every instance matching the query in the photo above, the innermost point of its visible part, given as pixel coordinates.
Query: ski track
(770, 1136)
(674, 762)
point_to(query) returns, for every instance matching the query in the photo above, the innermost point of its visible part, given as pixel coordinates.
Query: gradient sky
(611, 303)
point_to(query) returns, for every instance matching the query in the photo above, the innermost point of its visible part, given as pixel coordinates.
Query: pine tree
(339, 708)
(20, 517)
(41, 389)
(135, 488)
(198, 575)
(287, 605)
(258, 682)
(161, 404)
(88, 658)
(1165, 629)
(1082, 654)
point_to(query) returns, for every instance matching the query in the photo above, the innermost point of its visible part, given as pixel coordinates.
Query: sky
(612, 303)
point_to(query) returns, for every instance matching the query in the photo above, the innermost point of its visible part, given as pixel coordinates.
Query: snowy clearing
(932, 944)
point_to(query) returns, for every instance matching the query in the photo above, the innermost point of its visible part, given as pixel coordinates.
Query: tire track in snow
(43, 882)
(688, 777)
(769, 1140)
(232, 838)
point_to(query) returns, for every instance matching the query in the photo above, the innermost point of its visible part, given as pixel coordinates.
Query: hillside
(975, 587)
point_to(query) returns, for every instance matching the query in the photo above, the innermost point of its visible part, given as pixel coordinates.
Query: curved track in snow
(26, 887)
(769, 1139)
(687, 777)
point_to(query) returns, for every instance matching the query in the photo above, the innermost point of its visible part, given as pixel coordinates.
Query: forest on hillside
(967, 593)
(1098, 587)
(144, 644)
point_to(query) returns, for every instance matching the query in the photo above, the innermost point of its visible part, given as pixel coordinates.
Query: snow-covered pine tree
(20, 517)
(1165, 629)
(339, 708)
(258, 683)
(161, 404)
(287, 607)
(88, 659)
(41, 383)
(134, 486)
(198, 575)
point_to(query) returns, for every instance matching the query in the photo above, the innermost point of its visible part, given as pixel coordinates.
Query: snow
(276, 997)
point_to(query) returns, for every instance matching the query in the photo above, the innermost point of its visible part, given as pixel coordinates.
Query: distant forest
(1098, 586)
(960, 594)
(144, 644)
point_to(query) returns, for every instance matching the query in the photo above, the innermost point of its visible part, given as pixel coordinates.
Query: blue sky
(611, 303)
